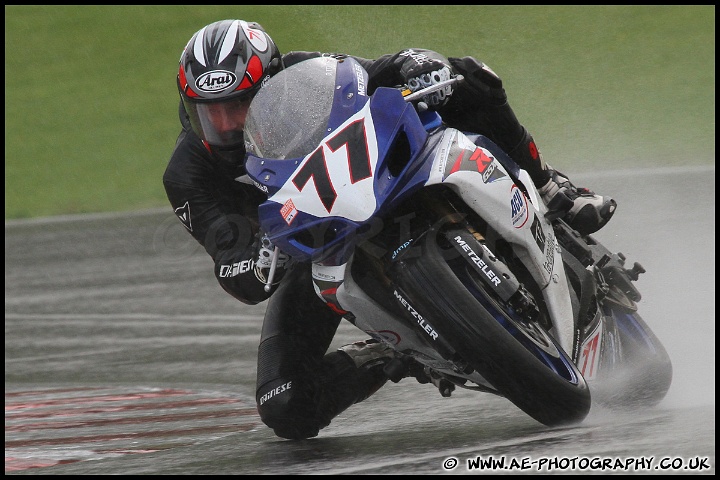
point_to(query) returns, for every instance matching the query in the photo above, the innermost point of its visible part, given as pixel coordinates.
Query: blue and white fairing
(329, 177)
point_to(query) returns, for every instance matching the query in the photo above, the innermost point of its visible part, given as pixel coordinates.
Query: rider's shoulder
(291, 58)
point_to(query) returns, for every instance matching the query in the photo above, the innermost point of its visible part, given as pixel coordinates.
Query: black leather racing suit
(300, 388)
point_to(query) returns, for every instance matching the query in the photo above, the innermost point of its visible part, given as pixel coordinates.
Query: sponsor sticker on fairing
(288, 211)
(473, 159)
(538, 234)
(359, 74)
(401, 248)
(546, 244)
(589, 360)
(261, 187)
(518, 206)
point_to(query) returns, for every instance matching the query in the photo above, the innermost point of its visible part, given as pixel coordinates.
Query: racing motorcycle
(433, 241)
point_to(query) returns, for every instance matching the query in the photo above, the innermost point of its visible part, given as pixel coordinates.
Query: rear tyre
(642, 374)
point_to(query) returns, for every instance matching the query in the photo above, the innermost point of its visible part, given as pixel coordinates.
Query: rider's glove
(263, 262)
(481, 86)
(422, 68)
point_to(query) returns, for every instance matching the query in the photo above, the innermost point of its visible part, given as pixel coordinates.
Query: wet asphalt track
(124, 356)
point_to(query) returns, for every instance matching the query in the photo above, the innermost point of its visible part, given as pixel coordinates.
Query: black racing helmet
(221, 69)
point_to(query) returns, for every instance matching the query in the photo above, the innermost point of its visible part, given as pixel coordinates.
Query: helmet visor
(219, 123)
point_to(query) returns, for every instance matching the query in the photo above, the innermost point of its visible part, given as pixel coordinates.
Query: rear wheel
(640, 372)
(519, 358)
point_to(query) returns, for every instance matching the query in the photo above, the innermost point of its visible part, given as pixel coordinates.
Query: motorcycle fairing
(310, 218)
(590, 353)
(511, 206)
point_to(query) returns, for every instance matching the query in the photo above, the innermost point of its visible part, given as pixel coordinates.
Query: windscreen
(288, 117)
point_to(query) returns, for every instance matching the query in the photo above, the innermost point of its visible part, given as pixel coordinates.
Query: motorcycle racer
(301, 387)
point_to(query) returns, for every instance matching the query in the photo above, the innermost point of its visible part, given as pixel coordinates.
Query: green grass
(91, 101)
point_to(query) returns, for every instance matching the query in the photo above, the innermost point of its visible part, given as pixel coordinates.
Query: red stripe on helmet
(184, 84)
(252, 73)
(254, 68)
(246, 83)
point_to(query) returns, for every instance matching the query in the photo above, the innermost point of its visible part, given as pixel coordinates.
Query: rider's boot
(582, 209)
(380, 363)
(369, 357)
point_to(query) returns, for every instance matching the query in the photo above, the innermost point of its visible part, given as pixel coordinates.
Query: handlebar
(411, 97)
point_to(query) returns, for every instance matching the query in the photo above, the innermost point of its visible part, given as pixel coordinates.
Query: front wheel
(519, 358)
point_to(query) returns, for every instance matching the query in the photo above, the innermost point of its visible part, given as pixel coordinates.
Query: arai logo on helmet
(215, 81)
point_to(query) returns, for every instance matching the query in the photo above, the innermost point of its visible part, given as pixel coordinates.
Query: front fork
(494, 273)
(273, 267)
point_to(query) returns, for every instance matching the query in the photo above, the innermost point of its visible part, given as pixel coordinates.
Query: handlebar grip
(432, 88)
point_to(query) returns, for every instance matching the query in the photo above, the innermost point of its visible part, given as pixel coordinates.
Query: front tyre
(518, 358)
